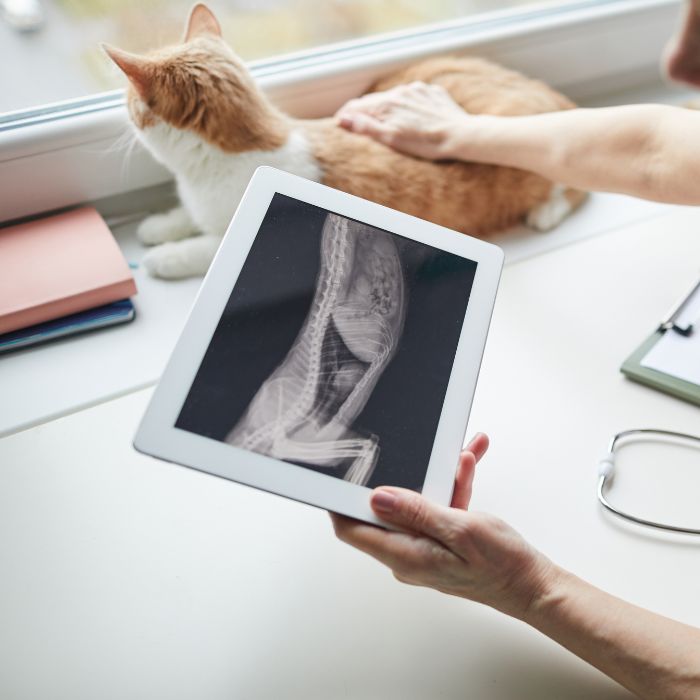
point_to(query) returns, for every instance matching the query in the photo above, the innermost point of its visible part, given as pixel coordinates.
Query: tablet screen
(335, 348)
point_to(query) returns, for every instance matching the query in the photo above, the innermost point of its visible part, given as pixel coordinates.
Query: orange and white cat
(198, 111)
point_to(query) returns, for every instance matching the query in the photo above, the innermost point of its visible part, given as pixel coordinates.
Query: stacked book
(61, 275)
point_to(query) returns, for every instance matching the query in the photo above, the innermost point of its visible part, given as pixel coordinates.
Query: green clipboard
(633, 370)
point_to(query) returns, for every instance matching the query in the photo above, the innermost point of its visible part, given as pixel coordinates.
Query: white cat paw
(178, 259)
(154, 230)
(545, 216)
(170, 261)
(162, 228)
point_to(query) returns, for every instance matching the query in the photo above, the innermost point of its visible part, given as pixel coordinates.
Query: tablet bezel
(157, 435)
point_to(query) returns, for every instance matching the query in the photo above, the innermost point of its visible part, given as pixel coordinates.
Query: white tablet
(334, 346)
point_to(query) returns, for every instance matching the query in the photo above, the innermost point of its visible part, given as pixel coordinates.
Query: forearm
(649, 151)
(651, 655)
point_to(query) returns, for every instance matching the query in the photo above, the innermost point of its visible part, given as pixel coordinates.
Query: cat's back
(481, 87)
(471, 197)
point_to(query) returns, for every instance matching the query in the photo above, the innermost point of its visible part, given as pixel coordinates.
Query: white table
(123, 577)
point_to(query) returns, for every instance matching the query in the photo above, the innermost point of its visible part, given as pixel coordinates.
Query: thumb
(410, 511)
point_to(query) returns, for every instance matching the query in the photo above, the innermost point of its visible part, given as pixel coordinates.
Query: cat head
(198, 88)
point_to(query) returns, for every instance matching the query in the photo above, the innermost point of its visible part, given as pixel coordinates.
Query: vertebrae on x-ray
(304, 411)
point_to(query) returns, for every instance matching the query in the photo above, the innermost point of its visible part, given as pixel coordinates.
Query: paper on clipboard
(677, 355)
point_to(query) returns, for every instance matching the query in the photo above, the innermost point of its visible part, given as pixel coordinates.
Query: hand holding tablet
(334, 347)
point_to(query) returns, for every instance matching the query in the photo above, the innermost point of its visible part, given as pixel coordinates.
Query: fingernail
(384, 501)
(345, 121)
(474, 439)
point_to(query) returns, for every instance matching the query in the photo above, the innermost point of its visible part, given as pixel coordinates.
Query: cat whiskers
(126, 142)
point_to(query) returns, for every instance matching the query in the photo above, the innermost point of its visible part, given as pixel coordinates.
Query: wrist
(468, 138)
(553, 588)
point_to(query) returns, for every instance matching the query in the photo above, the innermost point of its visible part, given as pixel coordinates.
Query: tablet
(334, 346)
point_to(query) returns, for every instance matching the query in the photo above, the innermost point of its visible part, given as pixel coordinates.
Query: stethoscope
(606, 472)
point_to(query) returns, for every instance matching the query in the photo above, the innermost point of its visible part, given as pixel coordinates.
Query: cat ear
(201, 21)
(136, 68)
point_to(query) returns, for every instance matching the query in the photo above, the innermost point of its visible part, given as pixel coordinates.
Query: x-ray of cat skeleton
(304, 411)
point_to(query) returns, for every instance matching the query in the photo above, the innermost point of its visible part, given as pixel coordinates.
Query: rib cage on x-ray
(305, 409)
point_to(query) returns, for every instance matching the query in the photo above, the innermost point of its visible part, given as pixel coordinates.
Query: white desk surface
(123, 577)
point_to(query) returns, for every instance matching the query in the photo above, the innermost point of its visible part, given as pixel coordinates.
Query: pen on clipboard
(669, 322)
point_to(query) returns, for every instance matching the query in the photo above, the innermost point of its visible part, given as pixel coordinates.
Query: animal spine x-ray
(305, 409)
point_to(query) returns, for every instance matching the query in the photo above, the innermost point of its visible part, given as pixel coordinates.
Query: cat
(196, 108)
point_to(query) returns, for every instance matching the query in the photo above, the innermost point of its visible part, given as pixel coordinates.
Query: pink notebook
(57, 266)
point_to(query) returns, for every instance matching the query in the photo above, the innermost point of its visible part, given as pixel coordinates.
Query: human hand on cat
(472, 555)
(418, 119)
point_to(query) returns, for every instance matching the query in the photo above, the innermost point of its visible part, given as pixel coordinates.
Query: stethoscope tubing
(607, 477)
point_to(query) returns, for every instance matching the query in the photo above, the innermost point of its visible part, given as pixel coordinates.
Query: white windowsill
(582, 50)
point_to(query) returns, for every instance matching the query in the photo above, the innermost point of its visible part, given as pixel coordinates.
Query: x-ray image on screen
(335, 348)
(306, 409)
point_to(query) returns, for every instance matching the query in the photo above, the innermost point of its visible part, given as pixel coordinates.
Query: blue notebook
(99, 317)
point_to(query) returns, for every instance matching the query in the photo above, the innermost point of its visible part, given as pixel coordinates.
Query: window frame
(63, 154)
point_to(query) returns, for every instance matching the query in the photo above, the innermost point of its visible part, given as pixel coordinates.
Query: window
(58, 155)
(54, 45)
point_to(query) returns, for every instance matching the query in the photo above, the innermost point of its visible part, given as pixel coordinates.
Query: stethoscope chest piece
(606, 472)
